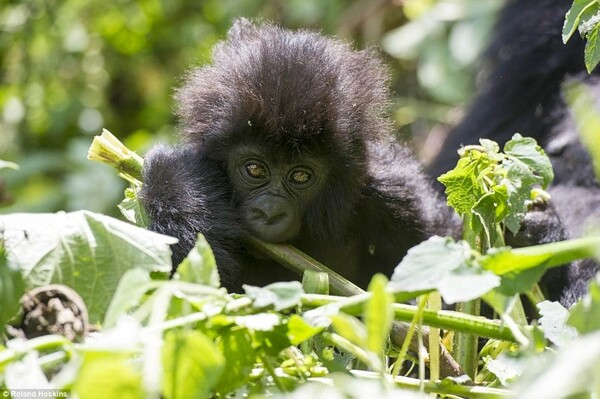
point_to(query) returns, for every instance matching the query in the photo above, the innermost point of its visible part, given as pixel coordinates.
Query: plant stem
(298, 261)
(44, 343)
(444, 319)
(466, 344)
(466, 391)
(271, 370)
(361, 354)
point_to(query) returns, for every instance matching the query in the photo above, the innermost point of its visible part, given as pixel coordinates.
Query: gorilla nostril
(258, 213)
(274, 219)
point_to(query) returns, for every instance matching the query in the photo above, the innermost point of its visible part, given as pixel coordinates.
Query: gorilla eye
(300, 176)
(256, 170)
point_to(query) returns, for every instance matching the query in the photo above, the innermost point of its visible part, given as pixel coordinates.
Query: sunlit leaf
(378, 314)
(192, 365)
(84, 250)
(199, 266)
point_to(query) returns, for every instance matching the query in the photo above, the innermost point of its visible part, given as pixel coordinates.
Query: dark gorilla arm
(186, 193)
(400, 201)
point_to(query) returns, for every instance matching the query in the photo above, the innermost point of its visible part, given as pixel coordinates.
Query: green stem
(550, 255)
(444, 319)
(298, 261)
(465, 391)
(271, 370)
(44, 343)
(347, 346)
(409, 337)
(434, 303)
(466, 344)
(535, 295)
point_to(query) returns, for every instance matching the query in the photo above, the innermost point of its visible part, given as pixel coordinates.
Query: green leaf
(26, 371)
(199, 266)
(192, 365)
(442, 264)
(12, 287)
(592, 49)
(299, 330)
(582, 103)
(378, 314)
(506, 368)
(281, 295)
(526, 165)
(526, 151)
(488, 211)
(575, 365)
(584, 314)
(240, 356)
(519, 282)
(506, 260)
(462, 189)
(132, 209)
(109, 377)
(272, 341)
(554, 323)
(573, 17)
(132, 287)
(259, 322)
(87, 251)
(350, 328)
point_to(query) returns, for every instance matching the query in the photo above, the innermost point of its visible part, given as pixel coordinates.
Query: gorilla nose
(272, 221)
(269, 214)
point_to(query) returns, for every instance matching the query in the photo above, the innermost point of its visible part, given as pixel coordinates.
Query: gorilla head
(289, 115)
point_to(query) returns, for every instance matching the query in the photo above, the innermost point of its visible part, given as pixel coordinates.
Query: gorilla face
(273, 190)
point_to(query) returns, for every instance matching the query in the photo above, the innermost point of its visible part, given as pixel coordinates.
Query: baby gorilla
(293, 123)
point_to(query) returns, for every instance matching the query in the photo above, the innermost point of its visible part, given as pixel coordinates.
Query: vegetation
(186, 337)
(75, 66)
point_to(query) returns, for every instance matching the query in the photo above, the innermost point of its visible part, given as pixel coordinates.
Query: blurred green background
(69, 68)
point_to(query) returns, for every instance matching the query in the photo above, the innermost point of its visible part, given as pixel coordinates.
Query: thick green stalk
(464, 391)
(107, 149)
(297, 261)
(465, 345)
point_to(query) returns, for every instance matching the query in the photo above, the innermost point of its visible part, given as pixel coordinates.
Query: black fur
(185, 193)
(293, 93)
(526, 65)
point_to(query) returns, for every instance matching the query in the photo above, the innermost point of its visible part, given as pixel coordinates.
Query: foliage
(70, 67)
(584, 16)
(187, 337)
(445, 38)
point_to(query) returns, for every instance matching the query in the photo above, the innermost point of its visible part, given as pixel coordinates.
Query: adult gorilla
(525, 66)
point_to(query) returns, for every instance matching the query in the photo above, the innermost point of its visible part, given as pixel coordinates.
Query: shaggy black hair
(294, 93)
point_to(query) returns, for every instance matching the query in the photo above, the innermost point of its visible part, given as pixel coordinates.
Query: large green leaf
(86, 251)
(200, 265)
(192, 363)
(11, 289)
(442, 264)
(378, 314)
(109, 377)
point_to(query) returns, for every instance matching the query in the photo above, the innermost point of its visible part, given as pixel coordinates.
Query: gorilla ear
(241, 27)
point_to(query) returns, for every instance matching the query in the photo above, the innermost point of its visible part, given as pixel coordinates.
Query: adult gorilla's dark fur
(526, 66)
(285, 138)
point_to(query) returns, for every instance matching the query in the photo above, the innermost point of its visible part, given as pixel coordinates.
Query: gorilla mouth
(273, 231)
